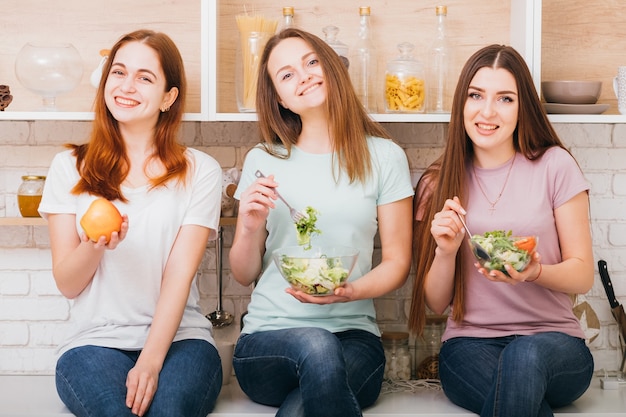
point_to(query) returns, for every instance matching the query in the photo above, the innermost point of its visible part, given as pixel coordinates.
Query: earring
(164, 109)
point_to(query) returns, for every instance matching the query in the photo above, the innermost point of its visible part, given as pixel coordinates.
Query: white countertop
(29, 395)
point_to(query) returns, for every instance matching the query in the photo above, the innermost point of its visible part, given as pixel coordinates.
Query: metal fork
(296, 215)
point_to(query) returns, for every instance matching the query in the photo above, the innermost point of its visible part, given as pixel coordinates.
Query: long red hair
(102, 162)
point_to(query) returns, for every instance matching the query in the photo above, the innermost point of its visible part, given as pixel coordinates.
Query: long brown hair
(446, 177)
(103, 163)
(349, 122)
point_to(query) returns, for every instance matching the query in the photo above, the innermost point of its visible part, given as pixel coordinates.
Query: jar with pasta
(404, 89)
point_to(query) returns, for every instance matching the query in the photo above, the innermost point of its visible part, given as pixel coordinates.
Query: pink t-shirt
(534, 189)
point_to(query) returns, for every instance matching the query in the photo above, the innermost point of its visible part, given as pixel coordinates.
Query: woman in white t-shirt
(512, 345)
(138, 343)
(317, 356)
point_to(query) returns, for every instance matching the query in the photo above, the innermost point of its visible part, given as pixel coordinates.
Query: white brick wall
(33, 315)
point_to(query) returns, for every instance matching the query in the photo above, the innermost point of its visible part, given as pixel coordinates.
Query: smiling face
(297, 75)
(135, 86)
(491, 109)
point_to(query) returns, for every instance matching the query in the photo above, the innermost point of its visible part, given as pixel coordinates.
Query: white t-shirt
(348, 217)
(117, 307)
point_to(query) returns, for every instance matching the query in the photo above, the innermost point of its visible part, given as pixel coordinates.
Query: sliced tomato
(526, 243)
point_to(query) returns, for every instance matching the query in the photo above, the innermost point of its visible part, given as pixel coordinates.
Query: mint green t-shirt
(347, 217)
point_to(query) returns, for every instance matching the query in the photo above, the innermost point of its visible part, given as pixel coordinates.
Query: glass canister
(427, 352)
(29, 195)
(254, 32)
(330, 36)
(397, 356)
(404, 89)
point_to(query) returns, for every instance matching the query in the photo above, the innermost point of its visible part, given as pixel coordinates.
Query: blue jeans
(515, 375)
(311, 371)
(91, 380)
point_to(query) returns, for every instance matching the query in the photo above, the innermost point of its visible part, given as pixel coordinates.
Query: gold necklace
(506, 180)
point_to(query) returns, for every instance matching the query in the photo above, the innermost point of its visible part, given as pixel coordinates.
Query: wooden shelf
(38, 221)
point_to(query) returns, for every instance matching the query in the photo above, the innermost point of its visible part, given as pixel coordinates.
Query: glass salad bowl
(504, 248)
(318, 270)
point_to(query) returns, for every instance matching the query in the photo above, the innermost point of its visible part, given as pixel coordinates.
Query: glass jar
(397, 356)
(29, 195)
(330, 36)
(427, 352)
(404, 88)
(248, 57)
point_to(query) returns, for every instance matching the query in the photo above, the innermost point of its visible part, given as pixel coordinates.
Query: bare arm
(448, 232)
(246, 252)
(75, 259)
(180, 270)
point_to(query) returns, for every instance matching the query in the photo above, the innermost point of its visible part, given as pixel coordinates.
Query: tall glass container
(330, 36)
(254, 32)
(363, 63)
(439, 66)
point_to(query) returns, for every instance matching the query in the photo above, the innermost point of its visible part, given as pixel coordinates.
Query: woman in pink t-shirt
(512, 345)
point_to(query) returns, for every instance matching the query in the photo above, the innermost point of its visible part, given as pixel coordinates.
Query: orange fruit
(526, 243)
(101, 219)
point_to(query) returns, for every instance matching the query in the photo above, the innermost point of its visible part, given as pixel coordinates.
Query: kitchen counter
(35, 395)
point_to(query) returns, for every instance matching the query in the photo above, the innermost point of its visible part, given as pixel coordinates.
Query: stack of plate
(572, 97)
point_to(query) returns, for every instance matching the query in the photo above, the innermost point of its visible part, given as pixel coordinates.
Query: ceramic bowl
(571, 92)
(318, 270)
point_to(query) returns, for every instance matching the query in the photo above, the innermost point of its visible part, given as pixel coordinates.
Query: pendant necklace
(492, 204)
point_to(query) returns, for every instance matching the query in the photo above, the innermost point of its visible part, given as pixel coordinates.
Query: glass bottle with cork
(363, 62)
(288, 18)
(439, 65)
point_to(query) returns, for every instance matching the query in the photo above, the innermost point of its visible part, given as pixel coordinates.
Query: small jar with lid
(397, 356)
(404, 89)
(330, 37)
(29, 195)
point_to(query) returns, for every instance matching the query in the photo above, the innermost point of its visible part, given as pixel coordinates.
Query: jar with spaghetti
(397, 356)
(254, 32)
(427, 352)
(404, 88)
(29, 195)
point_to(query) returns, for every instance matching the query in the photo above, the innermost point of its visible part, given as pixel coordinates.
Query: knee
(318, 344)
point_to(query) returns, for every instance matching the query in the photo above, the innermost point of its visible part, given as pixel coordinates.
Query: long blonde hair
(349, 122)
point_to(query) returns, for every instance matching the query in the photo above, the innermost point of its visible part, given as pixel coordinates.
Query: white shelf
(525, 36)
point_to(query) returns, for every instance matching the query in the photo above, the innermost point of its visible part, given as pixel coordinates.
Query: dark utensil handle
(606, 282)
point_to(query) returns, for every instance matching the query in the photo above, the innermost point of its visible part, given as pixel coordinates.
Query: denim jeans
(515, 375)
(91, 380)
(310, 371)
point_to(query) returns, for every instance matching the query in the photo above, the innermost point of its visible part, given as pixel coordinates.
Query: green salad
(316, 276)
(500, 246)
(306, 227)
